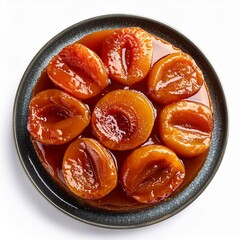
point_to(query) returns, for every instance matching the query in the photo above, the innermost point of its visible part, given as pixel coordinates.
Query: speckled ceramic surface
(56, 195)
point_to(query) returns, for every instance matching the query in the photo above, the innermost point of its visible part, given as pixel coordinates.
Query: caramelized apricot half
(79, 71)
(127, 53)
(55, 117)
(122, 119)
(186, 127)
(151, 173)
(174, 78)
(89, 169)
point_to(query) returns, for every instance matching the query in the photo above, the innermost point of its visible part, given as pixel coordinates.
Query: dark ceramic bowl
(56, 195)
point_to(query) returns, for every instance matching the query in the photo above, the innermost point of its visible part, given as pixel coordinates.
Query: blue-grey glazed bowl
(55, 194)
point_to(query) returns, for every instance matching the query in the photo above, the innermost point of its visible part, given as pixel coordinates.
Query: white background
(27, 25)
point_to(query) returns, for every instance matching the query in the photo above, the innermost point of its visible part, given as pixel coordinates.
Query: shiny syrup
(51, 156)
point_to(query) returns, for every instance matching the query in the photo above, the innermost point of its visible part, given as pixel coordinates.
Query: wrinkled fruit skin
(89, 169)
(122, 119)
(186, 127)
(127, 53)
(55, 117)
(174, 78)
(79, 71)
(151, 173)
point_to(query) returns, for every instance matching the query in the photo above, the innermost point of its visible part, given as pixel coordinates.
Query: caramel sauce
(51, 156)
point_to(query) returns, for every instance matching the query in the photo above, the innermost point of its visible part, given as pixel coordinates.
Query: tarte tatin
(121, 119)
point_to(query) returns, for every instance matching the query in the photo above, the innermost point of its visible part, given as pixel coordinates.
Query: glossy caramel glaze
(52, 156)
(159, 173)
(174, 78)
(127, 54)
(186, 128)
(56, 117)
(89, 169)
(79, 71)
(123, 119)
